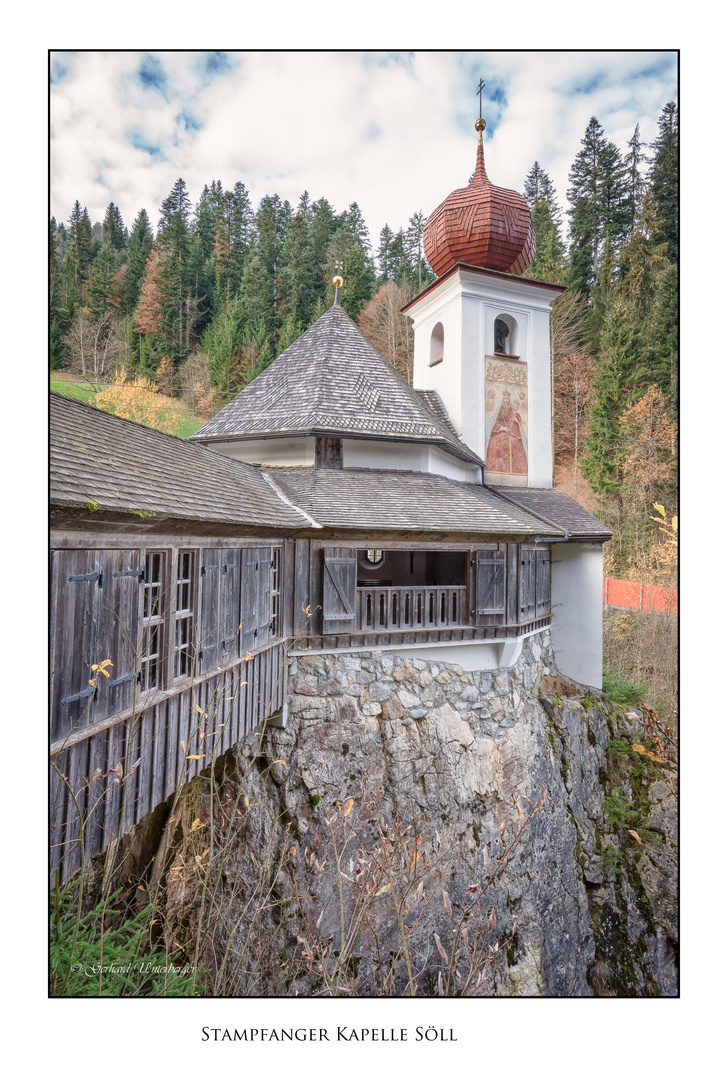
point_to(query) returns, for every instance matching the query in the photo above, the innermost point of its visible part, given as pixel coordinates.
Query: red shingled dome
(482, 225)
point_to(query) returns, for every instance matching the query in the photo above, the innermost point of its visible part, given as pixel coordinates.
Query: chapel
(329, 506)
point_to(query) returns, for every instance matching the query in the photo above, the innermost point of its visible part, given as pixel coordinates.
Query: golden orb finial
(480, 124)
(337, 280)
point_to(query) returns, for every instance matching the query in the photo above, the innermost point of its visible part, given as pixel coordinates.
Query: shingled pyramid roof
(332, 382)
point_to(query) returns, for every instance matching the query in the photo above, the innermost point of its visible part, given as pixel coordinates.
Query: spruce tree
(549, 261)
(222, 341)
(634, 163)
(271, 222)
(297, 276)
(400, 267)
(173, 242)
(61, 240)
(138, 253)
(57, 315)
(619, 380)
(616, 212)
(79, 251)
(323, 224)
(664, 182)
(584, 198)
(421, 273)
(599, 204)
(103, 287)
(385, 256)
(114, 231)
(353, 221)
(662, 332)
(257, 292)
(233, 239)
(202, 255)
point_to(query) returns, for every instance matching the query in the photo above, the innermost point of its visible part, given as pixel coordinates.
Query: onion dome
(483, 225)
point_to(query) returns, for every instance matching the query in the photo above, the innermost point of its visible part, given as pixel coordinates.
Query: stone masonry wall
(378, 745)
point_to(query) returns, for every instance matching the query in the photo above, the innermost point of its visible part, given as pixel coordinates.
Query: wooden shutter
(94, 617)
(230, 581)
(249, 600)
(122, 585)
(339, 591)
(490, 585)
(264, 625)
(527, 584)
(209, 650)
(542, 588)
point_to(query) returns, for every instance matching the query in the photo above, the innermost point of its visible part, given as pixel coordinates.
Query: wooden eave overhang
(481, 272)
(464, 454)
(78, 517)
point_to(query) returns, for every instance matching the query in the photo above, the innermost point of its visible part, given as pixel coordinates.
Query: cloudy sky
(392, 131)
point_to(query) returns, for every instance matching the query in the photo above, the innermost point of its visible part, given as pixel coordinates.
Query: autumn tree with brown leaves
(384, 325)
(572, 393)
(148, 313)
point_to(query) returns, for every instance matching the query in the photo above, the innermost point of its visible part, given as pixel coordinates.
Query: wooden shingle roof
(379, 499)
(559, 509)
(332, 381)
(109, 464)
(481, 224)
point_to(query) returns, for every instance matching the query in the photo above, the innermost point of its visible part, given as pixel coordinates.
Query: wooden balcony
(407, 608)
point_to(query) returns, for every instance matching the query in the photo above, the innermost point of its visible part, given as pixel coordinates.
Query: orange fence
(630, 594)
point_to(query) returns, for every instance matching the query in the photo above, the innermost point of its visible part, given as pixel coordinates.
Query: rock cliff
(419, 828)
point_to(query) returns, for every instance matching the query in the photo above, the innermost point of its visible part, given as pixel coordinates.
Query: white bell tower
(482, 341)
(482, 332)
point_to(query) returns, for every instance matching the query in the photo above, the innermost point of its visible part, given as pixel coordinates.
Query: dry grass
(641, 658)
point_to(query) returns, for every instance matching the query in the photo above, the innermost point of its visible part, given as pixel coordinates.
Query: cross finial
(480, 123)
(478, 94)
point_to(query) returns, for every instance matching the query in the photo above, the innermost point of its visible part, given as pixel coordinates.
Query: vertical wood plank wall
(209, 716)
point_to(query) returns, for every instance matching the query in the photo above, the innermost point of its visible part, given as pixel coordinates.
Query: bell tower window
(437, 344)
(502, 336)
(506, 337)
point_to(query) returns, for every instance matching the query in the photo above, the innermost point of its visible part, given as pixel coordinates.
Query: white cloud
(394, 134)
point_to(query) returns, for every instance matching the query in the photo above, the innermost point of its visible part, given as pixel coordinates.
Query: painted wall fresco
(506, 417)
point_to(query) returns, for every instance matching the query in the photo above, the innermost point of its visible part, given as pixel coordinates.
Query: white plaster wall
(540, 462)
(440, 306)
(371, 454)
(446, 465)
(291, 451)
(472, 391)
(491, 655)
(577, 571)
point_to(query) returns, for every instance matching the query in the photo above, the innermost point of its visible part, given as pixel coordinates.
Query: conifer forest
(164, 326)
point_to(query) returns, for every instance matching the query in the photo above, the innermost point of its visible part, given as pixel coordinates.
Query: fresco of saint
(507, 441)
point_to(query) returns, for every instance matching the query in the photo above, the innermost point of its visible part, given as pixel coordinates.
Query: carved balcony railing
(406, 608)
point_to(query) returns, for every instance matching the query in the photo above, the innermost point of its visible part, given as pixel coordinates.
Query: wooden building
(328, 506)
